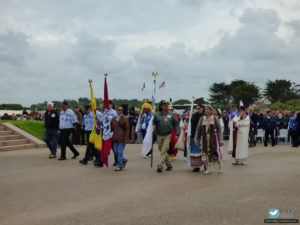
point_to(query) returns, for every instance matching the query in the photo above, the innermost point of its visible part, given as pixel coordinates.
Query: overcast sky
(49, 49)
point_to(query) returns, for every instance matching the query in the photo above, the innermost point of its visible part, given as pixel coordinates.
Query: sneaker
(159, 170)
(169, 168)
(118, 169)
(61, 158)
(124, 164)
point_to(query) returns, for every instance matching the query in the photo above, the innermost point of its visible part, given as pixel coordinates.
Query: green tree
(84, 101)
(11, 106)
(220, 93)
(235, 84)
(281, 90)
(246, 92)
(200, 101)
(181, 102)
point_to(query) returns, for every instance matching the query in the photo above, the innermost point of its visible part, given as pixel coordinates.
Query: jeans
(119, 150)
(51, 139)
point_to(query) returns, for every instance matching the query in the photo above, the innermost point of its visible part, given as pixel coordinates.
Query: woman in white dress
(241, 126)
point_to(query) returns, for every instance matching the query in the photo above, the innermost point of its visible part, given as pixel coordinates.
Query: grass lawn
(35, 128)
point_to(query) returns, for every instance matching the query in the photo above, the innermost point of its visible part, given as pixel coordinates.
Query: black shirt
(52, 119)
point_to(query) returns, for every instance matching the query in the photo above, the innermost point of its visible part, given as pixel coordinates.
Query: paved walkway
(37, 191)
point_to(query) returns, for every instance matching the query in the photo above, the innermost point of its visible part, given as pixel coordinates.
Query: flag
(147, 142)
(107, 133)
(162, 85)
(144, 85)
(95, 138)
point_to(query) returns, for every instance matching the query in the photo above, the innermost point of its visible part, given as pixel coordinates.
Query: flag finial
(90, 81)
(154, 74)
(105, 74)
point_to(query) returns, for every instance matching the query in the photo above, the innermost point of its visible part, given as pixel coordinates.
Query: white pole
(188, 146)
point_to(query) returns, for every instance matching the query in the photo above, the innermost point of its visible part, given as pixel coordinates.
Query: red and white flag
(107, 133)
(143, 88)
(163, 84)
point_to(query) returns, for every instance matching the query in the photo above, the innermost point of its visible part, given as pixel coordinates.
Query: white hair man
(51, 126)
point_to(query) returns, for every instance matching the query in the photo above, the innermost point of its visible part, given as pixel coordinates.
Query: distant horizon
(139, 99)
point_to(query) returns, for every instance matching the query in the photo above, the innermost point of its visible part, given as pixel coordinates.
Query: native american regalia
(144, 127)
(232, 116)
(241, 126)
(172, 151)
(209, 131)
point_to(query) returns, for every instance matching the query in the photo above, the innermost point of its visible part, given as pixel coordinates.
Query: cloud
(48, 50)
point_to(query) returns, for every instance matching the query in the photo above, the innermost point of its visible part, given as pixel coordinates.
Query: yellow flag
(95, 138)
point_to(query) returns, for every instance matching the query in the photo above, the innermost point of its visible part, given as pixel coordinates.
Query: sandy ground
(35, 190)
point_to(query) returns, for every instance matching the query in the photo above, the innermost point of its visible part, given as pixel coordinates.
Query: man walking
(88, 121)
(120, 128)
(164, 121)
(67, 121)
(51, 127)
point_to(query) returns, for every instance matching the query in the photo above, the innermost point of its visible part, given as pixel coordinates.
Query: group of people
(271, 122)
(59, 125)
(208, 128)
(33, 115)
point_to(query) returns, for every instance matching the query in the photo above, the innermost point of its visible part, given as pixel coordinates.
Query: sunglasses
(120, 109)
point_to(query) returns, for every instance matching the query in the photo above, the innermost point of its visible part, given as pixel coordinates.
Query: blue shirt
(293, 123)
(233, 114)
(66, 119)
(88, 121)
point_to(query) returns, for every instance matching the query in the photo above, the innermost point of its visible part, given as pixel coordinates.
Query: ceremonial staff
(154, 74)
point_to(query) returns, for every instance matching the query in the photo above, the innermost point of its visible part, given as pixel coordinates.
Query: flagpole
(188, 146)
(154, 74)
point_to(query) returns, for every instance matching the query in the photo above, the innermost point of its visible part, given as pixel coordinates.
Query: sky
(49, 49)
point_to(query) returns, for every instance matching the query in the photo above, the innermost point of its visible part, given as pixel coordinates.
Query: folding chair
(260, 135)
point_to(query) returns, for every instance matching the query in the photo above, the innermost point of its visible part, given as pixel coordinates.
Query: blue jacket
(269, 123)
(292, 123)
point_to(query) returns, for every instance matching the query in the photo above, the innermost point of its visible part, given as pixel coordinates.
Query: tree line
(283, 94)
